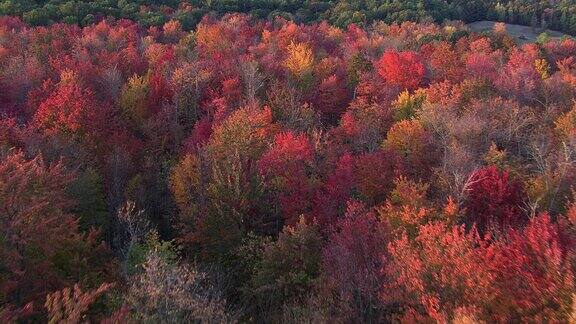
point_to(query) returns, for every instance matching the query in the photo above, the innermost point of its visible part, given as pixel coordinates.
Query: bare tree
(133, 229)
(172, 293)
(253, 80)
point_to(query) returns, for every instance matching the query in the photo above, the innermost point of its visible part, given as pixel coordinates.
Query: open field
(524, 34)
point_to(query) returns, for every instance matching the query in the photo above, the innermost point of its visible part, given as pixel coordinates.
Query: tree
(406, 105)
(87, 190)
(300, 59)
(220, 191)
(566, 126)
(330, 200)
(533, 266)
(519, 77)
(481, 65)
(283, 167)
(403, 69)
(408, 207)
(445, 63)
(70, 305)
(288, 268)
(409, 139)
(186, 186)
(132, 231)
(494, 199)
(70, 110)
(440, 273)
(352, 261)
(40, 237)
(11, 135)
(171, 293)
(375, 173)
(134, 99)
(332, 97)
(300, 62)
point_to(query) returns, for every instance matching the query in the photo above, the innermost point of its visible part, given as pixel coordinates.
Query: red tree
(445, 63)
(330, 199)
(533, 267)
(71, 110)
(404, 69)
(40, 239)
(199, 136)
(375, 174)
(519, 77)
(283, 166)
(332, 97)
(439, 274)
(352, 262)
(494, 199)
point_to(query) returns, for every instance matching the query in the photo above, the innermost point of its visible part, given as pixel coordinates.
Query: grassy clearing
(524, 34)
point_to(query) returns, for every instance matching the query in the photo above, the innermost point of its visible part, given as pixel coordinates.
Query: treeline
(556, 15)
(276, 172)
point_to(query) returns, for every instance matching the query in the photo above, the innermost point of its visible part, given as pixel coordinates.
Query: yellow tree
(300, 59)
(134, 98)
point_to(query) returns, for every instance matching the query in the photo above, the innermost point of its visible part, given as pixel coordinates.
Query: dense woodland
(265, 171)
(555, 14)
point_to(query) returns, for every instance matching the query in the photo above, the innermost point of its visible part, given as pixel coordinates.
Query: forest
(264, 170)
(558, 15)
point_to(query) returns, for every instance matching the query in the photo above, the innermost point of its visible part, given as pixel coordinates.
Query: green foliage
(356, 66)
(556, 16)
(168, 251)
(287, 269)
(90, 202)
(406, 106)
(134, 98)
(543, 38)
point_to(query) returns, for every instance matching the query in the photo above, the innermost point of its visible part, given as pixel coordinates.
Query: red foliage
(519, 77)
(446, 63)
(329, 200)
(332, 97)
(446, 271)
(404, 69)
(232, 91)
(127, 102)
(372, 89)
(199, 136)
(287, 149)
(283, 166)
(160, 91)
(36, 228)
(558, 51)
(375, 174)
(441, 271)
(534, 270)
(480, 65)
(71, 110)
(353, 259)
(494, 199)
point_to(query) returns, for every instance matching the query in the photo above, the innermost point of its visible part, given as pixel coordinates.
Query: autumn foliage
(267, 171)
(494, 199)
(402, 69)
